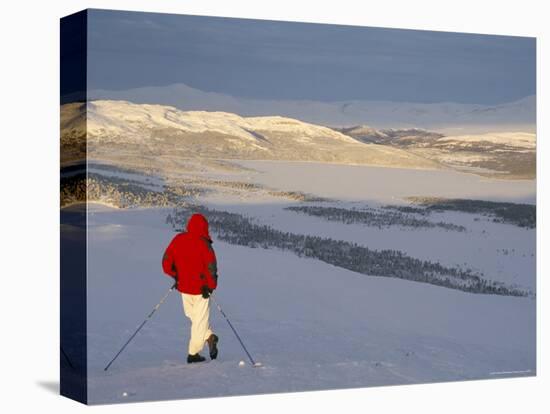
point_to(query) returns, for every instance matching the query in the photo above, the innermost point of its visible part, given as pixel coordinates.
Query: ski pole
(255, 364)
(141, 326)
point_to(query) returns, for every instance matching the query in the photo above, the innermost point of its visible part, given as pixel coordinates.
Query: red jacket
(190, 258)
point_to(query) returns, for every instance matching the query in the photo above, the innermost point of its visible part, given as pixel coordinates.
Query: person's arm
(168, 261)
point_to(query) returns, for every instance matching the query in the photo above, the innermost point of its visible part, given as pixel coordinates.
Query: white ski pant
(197, 309)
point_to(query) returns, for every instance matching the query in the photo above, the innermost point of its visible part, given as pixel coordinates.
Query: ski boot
(195, 358)
(212, 342)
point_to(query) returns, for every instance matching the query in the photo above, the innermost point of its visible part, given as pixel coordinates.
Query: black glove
(206, 291)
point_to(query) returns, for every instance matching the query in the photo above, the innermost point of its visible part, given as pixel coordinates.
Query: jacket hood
(198, 226)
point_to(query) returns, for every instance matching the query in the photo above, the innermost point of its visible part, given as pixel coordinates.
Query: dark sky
(278, 60)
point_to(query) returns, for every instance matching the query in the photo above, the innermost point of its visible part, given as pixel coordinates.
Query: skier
(191, 261)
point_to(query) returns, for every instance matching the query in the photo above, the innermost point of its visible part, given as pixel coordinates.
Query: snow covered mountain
(391, 136)
(445, 116)
(506, 154)
(511, 141)
(128, 129)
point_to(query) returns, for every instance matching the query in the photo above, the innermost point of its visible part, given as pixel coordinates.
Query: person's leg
(201, 322)
(187, 301)
(189, 310)
(197, 309)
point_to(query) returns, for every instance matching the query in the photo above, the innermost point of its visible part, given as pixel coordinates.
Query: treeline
(374, 218)
(73, 189)
(119, 192)
(246, 186)
(240, 230)
(522, 215)
(297, 196)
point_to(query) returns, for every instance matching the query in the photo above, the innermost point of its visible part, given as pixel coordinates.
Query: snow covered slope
(377, 331)
(505, 154)
(119, 127)
(312, 324)
(513, 116)
(119, 118)
(124, 131)
(506, 140)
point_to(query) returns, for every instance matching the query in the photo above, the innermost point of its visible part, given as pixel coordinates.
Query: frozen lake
(361, 182)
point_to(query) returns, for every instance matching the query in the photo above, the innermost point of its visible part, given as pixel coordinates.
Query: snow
(117, 129)
(386, 185)
(312, 325)
(122, 117)
(148, 182)
(513, 139)
(502, 252)
(443, 116)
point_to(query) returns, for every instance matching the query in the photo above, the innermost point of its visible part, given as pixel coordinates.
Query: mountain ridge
(121, 128)
(443, 117)
(501, 154)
